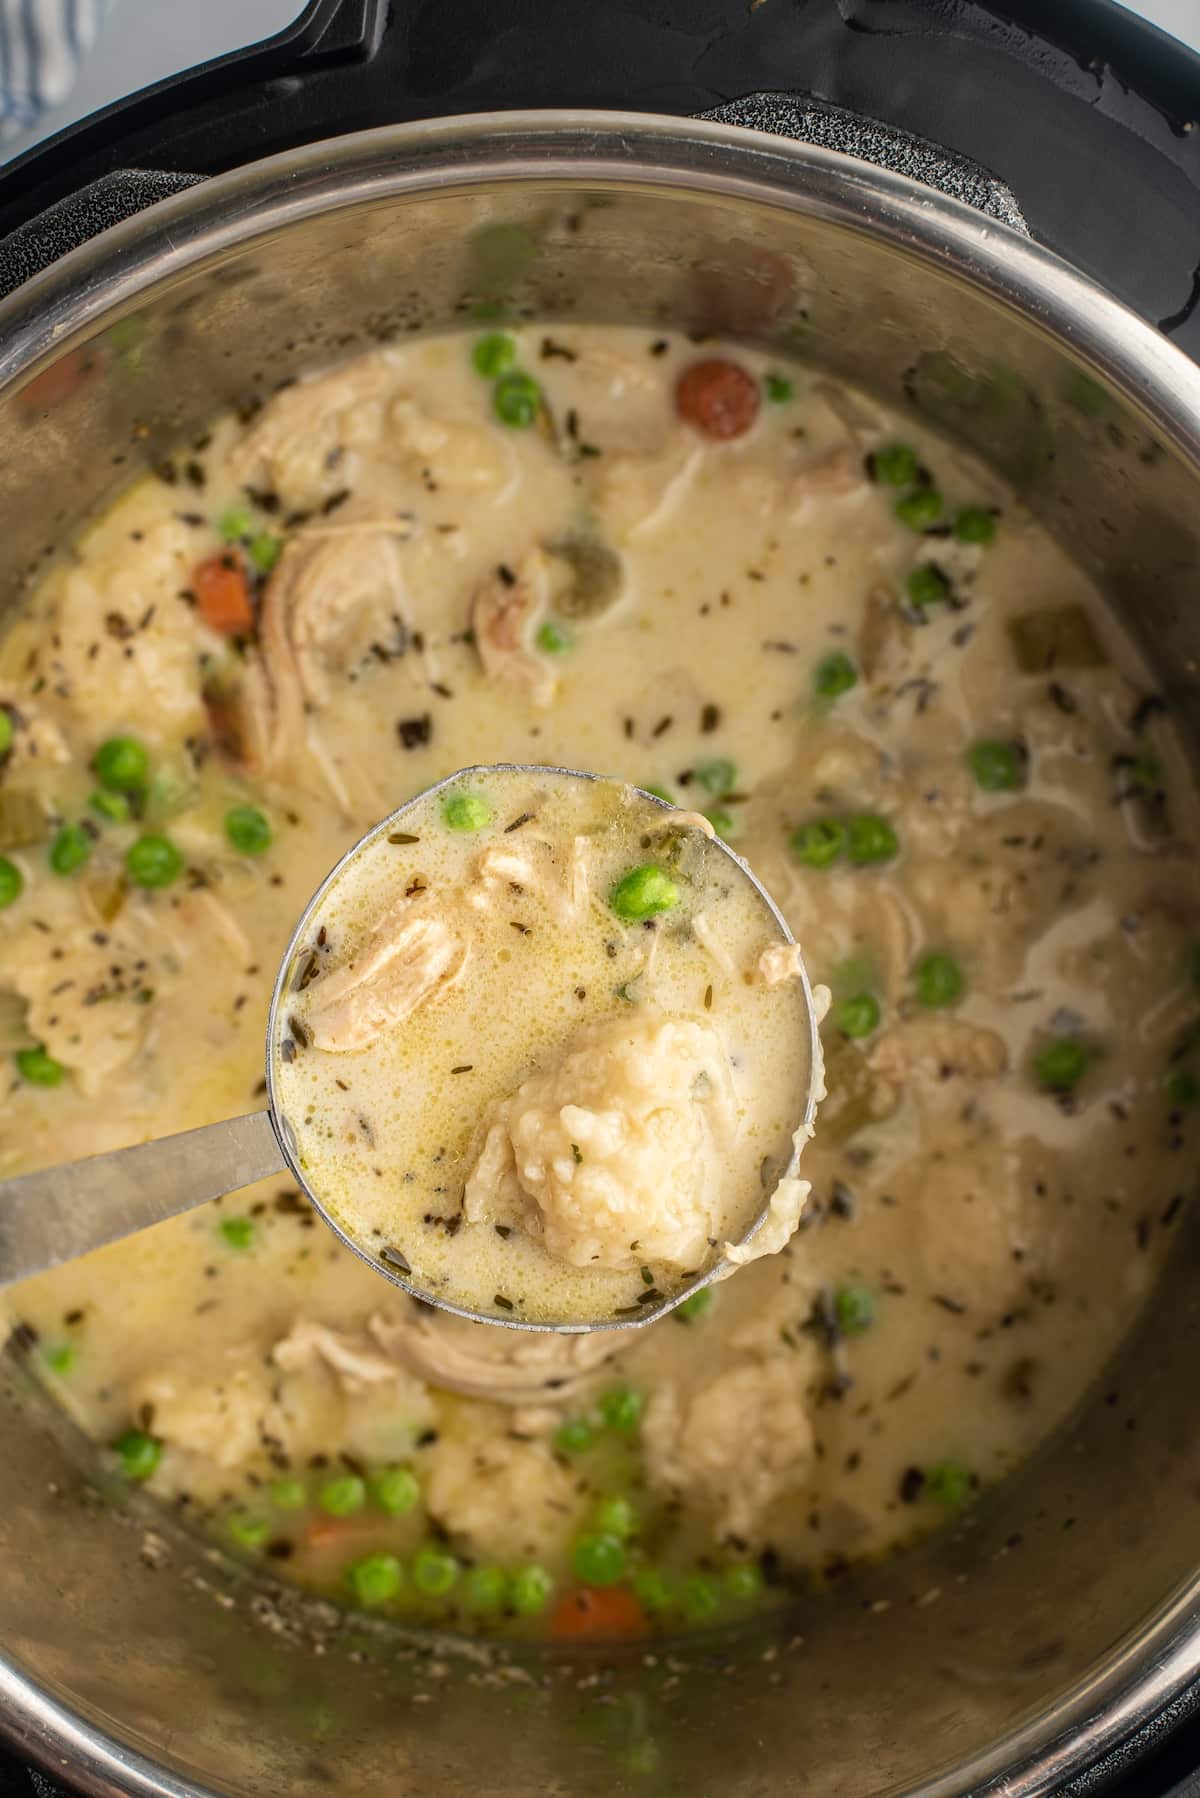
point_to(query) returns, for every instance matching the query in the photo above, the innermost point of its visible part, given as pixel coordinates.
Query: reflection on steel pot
(145, 1665)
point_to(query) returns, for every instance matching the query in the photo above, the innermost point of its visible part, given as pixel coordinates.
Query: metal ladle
(60, 1213)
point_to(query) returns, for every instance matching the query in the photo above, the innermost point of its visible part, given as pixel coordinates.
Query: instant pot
(989, 214)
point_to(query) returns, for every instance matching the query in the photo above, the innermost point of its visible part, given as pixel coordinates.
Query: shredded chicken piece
(534, 867)
(502, 617)
(296, 444)
(778, 1227)
(331, 592)
(736, 1445)
(841, 471)
(357, 1364)
(929, 1048)
(405, 961)
(510, 1367)
(779, 962)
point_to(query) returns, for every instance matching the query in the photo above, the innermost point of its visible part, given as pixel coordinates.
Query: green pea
(122, 764)
(235, 522)
(1060, 1065)
(7, 731)
(288, 1493)
(598, 1559)
(12, 882)
(939, 981)
(834, 675)
(264, 550)
(485, 1588)
(113, 806)
(376, 1579)
(554, 638)
(248, 829)
(949, 1482)
(778, 389)
(694, 1307)
(653, 1588)
(466, 811)
(530, 1590)
(395, 1490)
(662, 793)
(818, 844)
(517, 400)
(153, 861)
(138, 1453)
(700, 1598)
(621, 1408)
(743, 1580)
(998, 767)
(975, 524)
(643, 893)
(574, 1436)
(927, 585)
(895, 465)
(723, 822)
(491, 355)
(870, 838)
(1182, 1089)
(434, 1572)
(854, 1308)
(249, 1529)
(70, 849)
(717, 776)
(615, 1516)
(60, 1357)
(238, 1232)
(920, 508)
(342, 1495)
(857, 1016)
(39, 1068)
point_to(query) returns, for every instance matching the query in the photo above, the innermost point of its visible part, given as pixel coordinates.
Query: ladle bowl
(59, 1213)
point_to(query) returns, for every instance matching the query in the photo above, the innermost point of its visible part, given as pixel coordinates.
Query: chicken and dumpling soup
(590, 974)
(717, 576)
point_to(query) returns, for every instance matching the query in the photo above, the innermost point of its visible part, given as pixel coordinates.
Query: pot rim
(1149, 1669)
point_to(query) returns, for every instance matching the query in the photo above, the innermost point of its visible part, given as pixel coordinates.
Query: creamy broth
(854, 650)
(544, 1048)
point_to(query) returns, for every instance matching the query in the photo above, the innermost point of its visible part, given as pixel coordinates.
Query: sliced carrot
(346, 1532)
(223, 595)
(598, 1614)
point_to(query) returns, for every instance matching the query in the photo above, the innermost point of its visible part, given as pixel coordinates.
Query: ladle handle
(61, 1212)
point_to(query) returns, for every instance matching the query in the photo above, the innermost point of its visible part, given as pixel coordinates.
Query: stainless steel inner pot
(1002, 1656)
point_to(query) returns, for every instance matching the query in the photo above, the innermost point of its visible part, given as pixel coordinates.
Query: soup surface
(544, 1048)
(729, 580)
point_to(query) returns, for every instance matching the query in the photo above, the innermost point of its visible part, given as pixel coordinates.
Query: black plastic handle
(1074, 117)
